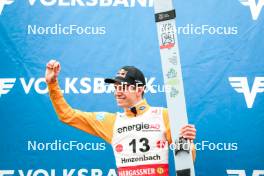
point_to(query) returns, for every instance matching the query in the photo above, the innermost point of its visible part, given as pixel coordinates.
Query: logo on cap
(122, 73)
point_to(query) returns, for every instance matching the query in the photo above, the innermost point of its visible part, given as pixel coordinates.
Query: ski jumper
(139, 136)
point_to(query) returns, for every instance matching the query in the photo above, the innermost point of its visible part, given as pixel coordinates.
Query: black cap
(128, 75)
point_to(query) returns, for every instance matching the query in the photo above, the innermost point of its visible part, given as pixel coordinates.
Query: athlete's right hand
(52, 71)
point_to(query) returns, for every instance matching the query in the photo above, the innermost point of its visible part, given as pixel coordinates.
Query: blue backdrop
(221, 47)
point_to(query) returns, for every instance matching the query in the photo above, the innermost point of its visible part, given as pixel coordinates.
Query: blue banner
(221, 47)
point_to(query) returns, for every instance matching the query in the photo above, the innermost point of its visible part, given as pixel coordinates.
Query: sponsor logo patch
(100, 116)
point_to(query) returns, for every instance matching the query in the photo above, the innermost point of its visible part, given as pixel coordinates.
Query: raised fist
(52, 71)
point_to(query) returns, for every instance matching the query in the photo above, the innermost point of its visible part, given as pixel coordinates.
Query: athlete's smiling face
(127, 95)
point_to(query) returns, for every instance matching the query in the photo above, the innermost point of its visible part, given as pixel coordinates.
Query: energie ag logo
(255, 7)
(3, 3)
(240, 84)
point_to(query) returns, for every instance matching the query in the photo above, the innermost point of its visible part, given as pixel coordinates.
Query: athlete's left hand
(188, 132)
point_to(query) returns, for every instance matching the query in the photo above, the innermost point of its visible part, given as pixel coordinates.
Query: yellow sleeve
(168, 132)
(99, 124)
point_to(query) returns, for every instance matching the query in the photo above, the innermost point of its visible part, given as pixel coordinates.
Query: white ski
(170, 59)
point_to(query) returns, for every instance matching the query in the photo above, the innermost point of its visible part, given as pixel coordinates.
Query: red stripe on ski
(168, 46)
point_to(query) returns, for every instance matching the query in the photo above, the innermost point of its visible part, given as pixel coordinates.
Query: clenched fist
(52, 71)
(188, 132)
